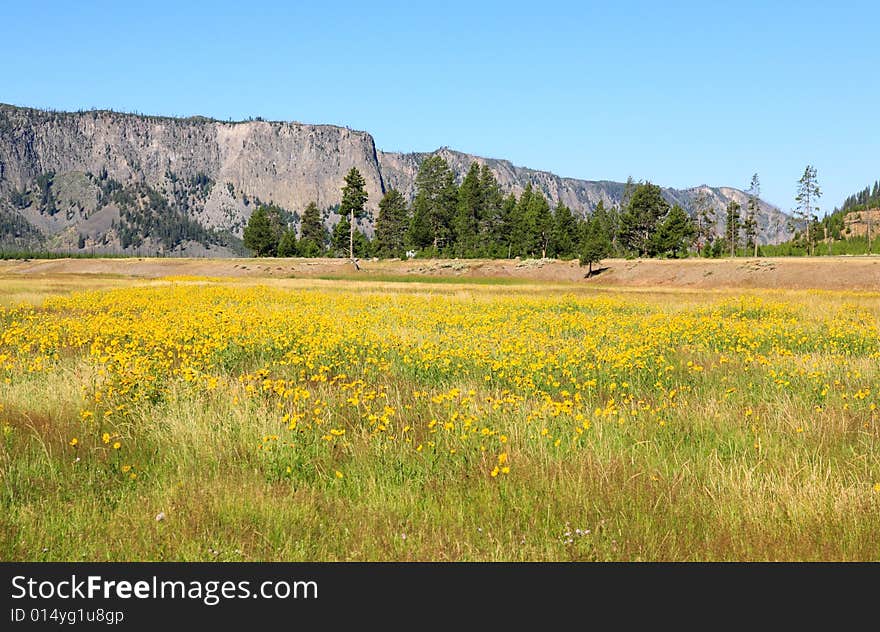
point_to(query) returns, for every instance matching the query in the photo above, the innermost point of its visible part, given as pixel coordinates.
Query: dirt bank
(840, 273)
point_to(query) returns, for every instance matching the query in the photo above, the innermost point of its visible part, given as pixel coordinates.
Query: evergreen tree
(594, 244)
(750, 223)
(434, 205)
(520, 229)
(503, 234)
(341, 238)
(609, 222)
(807, 198)
(466, 223)
(347, 243)
(733, 222)
(287, 247)
(391, 225)
(420, 234)
(531, 224)
(492, 239)
(354, 197)
(263, 232)
(540, 221)
(674, 234)
(639, 221)
(312, 234)
(363, 247)
(628, 189)
(565, 238)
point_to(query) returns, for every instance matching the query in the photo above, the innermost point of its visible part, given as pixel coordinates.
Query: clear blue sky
(681, 93)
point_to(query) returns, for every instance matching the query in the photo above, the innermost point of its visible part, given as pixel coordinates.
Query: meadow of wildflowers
(216, 419)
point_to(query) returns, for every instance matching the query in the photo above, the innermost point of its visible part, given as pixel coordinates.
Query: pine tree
(492, 218)
(434, 205)
(540, 219)
(391, 225)
(594, 244)
(520, 229)
(807, 198)
(466, 223)
(639, 221)
(313, 234)
(263, 232)
(628, 189)
(503, 235)
(354, 197)
(341, 238)
(609, 222)
(732, 225)
(564, 241)
(288, 247)
(674, 234)
(362, 245)
(753, 207)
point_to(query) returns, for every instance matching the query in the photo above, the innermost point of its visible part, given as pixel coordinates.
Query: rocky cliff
(109, 181)
(399, 171)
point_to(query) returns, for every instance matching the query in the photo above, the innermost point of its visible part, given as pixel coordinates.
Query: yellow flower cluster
(441, 374)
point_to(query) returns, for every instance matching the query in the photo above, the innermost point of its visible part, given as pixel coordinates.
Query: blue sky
(679, 93)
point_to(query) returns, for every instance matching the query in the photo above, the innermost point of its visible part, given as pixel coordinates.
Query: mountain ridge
(114, 181)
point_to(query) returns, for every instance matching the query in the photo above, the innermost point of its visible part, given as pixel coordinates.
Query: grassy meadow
(189, 418)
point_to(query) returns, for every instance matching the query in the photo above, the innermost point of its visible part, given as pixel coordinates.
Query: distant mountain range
(109, 182)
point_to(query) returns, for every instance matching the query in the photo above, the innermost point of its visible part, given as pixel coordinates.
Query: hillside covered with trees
(851, 229)
(476, 220)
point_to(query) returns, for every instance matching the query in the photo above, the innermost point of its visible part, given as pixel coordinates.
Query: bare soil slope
(830, 273)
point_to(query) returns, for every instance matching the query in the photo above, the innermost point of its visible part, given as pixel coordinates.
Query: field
(182, 412)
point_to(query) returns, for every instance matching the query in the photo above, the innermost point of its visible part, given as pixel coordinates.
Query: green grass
(692, 476)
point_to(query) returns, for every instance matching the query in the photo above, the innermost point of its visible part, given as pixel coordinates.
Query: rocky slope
(113, 182)
(399, 171)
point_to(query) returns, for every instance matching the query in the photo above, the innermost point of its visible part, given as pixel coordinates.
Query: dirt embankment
(832, 273)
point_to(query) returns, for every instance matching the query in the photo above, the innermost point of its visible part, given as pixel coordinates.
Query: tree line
(850, 229)
(475, 219)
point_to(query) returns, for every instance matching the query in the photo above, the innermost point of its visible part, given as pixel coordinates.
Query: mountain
(399, 171)
(107, 181)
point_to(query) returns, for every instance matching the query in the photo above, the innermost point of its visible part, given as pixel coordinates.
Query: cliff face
(213, 172)
(110, 181)
(399, 170)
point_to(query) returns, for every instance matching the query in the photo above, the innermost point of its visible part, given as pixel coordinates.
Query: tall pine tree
(594, 243)
(354, 197)
(493, 233)
(466, 223)
(263, 231)
(540, 220)
(807, 198)
(674, 234)
(564, 243)
(608, 221)
(312, 232)
(434, 205)
(521, 231)
(733, 222)
(639, 220)
(391, 225)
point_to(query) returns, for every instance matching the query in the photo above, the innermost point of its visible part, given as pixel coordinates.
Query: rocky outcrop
(109, 180)
(399, 170)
